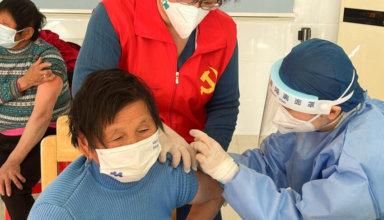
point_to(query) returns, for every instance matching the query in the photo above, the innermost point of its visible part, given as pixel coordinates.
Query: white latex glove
(173, 143)
(212, 158)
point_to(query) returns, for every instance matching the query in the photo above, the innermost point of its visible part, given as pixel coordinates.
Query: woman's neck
(21, 44)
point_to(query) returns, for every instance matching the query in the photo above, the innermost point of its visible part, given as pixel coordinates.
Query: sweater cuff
(14, 90)
(18, 87)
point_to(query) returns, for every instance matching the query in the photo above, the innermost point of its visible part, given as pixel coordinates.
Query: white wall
(261, 43)
(264, 41)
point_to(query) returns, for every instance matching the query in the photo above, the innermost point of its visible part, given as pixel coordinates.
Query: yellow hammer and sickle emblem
(205, 77)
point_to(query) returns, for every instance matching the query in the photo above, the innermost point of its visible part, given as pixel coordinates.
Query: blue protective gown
(337, 174)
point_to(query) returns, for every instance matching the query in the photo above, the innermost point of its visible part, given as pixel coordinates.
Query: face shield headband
(299, 101)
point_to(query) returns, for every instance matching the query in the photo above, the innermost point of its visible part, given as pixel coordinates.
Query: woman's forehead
(133, 115)
(7, 20)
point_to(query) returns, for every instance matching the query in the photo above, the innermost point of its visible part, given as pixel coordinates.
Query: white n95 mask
(184, 18)
(130, 163)
(286, 123)
(7, 37)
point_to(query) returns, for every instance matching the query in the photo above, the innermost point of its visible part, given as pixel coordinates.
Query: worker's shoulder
(363, 148)
(222, 16)
(226, 24)
(367, 121)
(364, 133)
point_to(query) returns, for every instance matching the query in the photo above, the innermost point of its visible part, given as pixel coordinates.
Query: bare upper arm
(46, 96)
(208, 189)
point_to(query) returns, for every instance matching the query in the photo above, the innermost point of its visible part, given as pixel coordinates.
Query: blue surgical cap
(321, 68)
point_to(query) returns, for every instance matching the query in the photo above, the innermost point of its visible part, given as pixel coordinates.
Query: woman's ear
(84, 147)
(335, 111)
(27, 33)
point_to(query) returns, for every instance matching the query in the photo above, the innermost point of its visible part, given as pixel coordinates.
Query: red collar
(148, 23)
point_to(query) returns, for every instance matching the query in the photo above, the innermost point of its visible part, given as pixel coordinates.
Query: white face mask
(286, 123)
(184, 18)
(132, 162)
(7, 37)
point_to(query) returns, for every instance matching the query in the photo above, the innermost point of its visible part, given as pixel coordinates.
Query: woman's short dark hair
(25, 14)
(101, 97)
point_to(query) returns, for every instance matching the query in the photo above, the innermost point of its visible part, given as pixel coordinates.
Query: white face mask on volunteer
(130, 163)
(7, 37)
(184, 18)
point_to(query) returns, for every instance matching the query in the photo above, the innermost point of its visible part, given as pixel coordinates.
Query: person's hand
(36, 75)
(213, 160)
(10, 172)
(173, 143)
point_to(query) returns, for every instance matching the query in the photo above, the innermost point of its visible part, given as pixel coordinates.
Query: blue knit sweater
(81, 192)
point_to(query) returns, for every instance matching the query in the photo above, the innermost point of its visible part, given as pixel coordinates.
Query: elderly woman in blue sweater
(115, 123)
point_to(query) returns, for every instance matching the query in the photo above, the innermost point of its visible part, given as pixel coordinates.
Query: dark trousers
(183, 212)
(20, 202)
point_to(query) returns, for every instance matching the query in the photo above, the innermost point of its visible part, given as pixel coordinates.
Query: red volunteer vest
(149, 52)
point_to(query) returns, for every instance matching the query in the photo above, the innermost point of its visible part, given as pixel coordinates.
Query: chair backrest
(55, 149)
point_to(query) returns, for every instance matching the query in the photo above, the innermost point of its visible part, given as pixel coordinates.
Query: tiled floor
(239, 144)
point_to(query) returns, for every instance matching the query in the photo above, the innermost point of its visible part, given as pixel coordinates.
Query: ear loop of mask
(17, 42)
(18, 32)
(21, 30)
(315, 117)
(332, 122)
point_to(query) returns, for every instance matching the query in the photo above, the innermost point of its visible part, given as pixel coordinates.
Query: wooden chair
(56, 149)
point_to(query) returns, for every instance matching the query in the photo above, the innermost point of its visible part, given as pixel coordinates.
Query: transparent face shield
(280, 94)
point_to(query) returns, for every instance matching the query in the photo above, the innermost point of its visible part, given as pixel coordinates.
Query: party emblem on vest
(206, 78)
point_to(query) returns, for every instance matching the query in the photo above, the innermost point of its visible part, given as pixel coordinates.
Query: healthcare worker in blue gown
(327, 159)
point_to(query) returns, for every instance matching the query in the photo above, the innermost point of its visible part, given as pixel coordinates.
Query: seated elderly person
(34, 93)
(115, 122)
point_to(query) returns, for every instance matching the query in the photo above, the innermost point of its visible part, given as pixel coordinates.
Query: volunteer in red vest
(185, 50)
